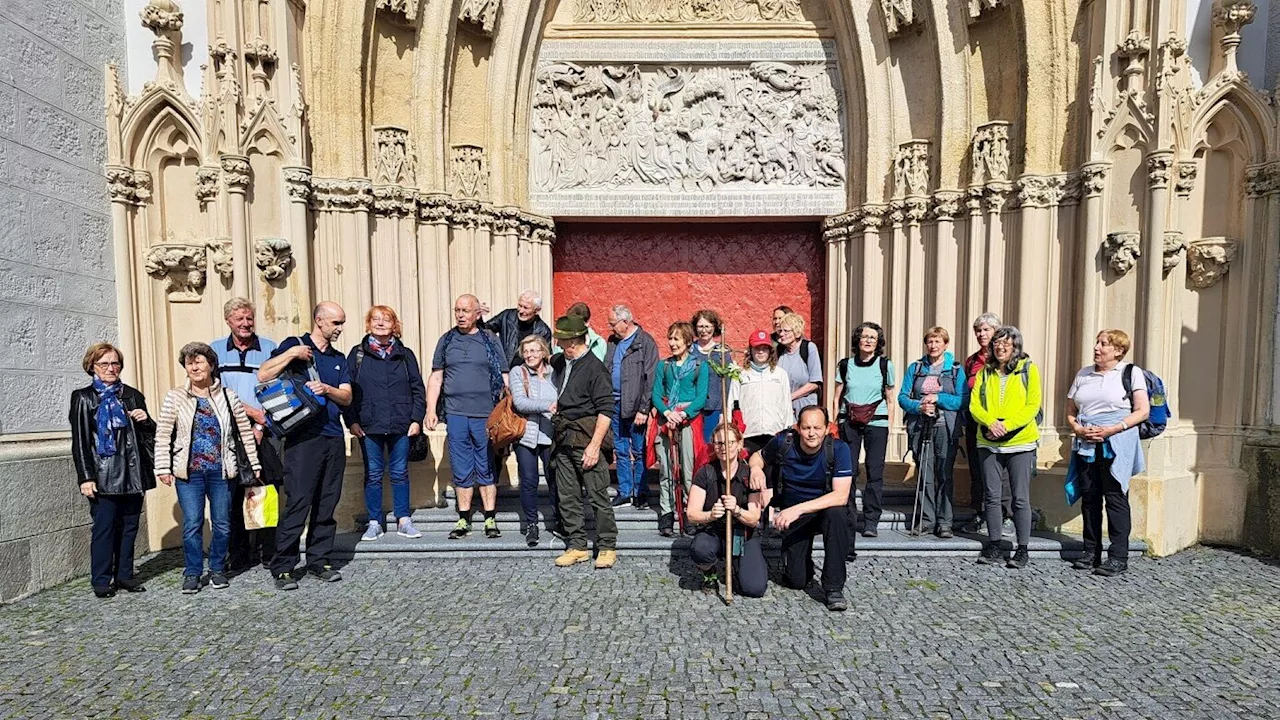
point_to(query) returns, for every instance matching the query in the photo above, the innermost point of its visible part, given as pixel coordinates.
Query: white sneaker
(373, 532)
(1007, 529)
(406, 529)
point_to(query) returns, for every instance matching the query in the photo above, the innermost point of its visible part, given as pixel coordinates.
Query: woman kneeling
(710, 501)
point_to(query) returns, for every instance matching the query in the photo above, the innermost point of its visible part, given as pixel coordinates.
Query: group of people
(745, 437)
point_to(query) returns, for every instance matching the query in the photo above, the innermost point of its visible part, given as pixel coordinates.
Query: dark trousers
(251, 547)
(312, 487)
(750, 571)
(1098, 486)
(115, 529)
(978, 486)
(797, 548)
(875, 440)
(527, 467)
(1019, 468)
(571, 481)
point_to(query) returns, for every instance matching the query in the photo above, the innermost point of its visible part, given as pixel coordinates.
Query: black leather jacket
(131, 471)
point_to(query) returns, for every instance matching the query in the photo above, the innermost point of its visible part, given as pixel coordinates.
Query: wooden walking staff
(725, 370)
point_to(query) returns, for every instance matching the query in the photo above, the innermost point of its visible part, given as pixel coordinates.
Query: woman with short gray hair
(195, 445)
(984, 326)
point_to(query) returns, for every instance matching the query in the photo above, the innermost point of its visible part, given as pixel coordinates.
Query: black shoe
(130, 586)
(327, 574)
(619, 501)
(190, 584)
(639, 502)
(976, 525)
(666, 525)
(1112, 567)
(870, 532)
(1019, 560)
(286, 582)
(991, 554)
(836, 602)
(1085, 563)
(104, 592)
(218, 581)
(946, 534)
(531, 535)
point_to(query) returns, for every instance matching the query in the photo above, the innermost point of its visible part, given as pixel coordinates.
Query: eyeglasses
(721, 443)
(1002, 343)
(108, 365)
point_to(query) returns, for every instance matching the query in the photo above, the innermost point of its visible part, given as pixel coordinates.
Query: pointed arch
(266, 121)
(1254, 115)
(1130, 114)
(154, 109)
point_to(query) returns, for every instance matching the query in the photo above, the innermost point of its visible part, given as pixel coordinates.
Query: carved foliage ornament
(900, 16)
(220, 258)
(977, 8)
(911, 169)
(182, 267)
(686, 129)
(1232, 15)
(404, 10)
(162, 15)
(207, 184)
(1175, 246)
(469, 177)
(480, 13)
(1122, 250)
(676, 11)
(1093, 179)
(1159, 169)
(297, 182)
(1208, 259)
(273, 256)
(392, 156)
(341, 194)
(991, 152)
(128, 185)
(236, 171)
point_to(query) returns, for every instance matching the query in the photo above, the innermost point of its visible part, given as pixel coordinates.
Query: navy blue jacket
(386, 395)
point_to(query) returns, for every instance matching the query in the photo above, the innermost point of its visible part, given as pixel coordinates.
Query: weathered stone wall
(57, 286)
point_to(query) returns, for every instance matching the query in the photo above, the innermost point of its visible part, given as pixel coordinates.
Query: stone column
(122, 188)
(946, 206)
(872, 281)
(1094, 185)
(917, 278)
(1159, 169)
(996, 195)
(896, 327)
(236, 173)
(976, 249)
(297, 183)
(436, 300)
(1036, 194)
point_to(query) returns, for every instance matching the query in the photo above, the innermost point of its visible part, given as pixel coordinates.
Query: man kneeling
(812, 474)
(710, 500)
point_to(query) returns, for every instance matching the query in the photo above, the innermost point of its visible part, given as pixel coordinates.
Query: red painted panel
(666, 271)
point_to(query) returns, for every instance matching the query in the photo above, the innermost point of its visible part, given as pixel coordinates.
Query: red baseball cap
(758, 338)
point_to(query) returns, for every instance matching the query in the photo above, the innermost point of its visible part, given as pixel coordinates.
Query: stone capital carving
(123, 184)
(873, 217)
(1134, 46)
(182, 267)
(916, 209)
(207, 184)
(1231, 15)
(1122, 250)
(947, 204)
(911, 169)
(392, 156)
(404, 11)
(990, 153)
(1159, 169)
(507, 221)
(1261, 179)
(161, 16)
(1093, 178)
(973, 199)
(394, 201)
(221, 260)
(839, 228)
(482, 14)
(236, 172)
(978, 8)
(901, 16)
(1185, 178)
(685, 11)
(341, 194)
(1043, 190)
(1175, 247)
(297, 183)
(259, 52)
(472, 215)
(221, 52)
(273, 256)
(996, 196)
(1208, 259)
(434, 208)
(469, 172)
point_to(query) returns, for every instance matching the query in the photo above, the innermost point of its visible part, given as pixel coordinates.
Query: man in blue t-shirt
(812, 475)
(314, 453)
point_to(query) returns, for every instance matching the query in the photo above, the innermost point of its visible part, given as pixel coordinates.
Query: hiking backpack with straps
(842, 369)
(1024, 373)
(788, 443)
(1158, 419)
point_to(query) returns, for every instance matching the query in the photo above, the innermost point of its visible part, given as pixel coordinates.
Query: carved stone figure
(481, 13)
(405, 11)
(220, 257)
(1174, 248)
(900, 16)
(991, 152)
(911, 169)
(1093, 178)
(1208, 259)
(469, 174)
(392, 157)
(182, 267)
(1185, 180)
(670, 11)
(273, 256)
(979, 7)
(1159, 168)
(207, 184)
(1122, 250)
(685, 129)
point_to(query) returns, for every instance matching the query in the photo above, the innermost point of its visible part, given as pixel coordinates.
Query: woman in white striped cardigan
(194, 443)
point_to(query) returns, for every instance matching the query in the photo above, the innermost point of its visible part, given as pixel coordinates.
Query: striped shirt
(238, 369)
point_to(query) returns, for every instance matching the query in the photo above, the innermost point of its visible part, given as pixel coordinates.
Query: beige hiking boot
(572, 557)
(606, 559)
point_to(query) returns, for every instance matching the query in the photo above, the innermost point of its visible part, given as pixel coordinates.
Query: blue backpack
(1161, 413)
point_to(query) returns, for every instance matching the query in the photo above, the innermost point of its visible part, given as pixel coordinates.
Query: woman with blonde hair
(800, 359)
(534, 395)
(388, 406)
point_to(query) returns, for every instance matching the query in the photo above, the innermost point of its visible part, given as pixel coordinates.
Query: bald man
(467, 376)
(314, 453)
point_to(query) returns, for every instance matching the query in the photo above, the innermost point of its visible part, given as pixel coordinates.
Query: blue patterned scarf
(494, 356)
(111, 415)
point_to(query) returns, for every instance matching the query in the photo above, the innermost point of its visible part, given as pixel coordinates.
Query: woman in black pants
(863, 383)
(710, 501)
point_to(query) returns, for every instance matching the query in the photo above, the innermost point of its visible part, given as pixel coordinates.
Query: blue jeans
(386, 453)
(629, 445)
(468, 443)
(210, 483)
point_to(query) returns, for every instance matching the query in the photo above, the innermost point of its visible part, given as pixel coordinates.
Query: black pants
(115, 529)
(875, 440)
(1098, 486)
(749, 570)
(797, 548)
(312, 487)
(527, 467)
(248, 548)
(977, 486)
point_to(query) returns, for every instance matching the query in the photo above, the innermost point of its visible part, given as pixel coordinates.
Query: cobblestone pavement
(1191, 636)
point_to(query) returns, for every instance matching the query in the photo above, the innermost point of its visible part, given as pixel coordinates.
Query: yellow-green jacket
(1018, 407)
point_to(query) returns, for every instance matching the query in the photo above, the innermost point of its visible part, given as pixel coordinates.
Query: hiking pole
(677, 477)
(728, 558)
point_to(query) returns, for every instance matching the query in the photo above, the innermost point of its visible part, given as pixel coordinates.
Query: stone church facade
(1070, 165)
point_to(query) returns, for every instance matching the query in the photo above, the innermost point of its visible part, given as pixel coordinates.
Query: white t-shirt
(1096, 393)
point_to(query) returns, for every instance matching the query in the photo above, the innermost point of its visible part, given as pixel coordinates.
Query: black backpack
(789, 438)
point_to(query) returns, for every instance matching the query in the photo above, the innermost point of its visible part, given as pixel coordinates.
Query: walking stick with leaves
(728, 372)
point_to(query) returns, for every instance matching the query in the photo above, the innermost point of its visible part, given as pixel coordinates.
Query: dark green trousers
(571, 480)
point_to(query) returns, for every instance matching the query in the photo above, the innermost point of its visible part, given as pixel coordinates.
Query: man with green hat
(582, 443)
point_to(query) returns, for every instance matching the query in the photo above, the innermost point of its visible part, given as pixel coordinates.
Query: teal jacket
(685, 384)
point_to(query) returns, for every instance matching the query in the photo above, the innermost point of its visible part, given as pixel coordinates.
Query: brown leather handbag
(506, 426)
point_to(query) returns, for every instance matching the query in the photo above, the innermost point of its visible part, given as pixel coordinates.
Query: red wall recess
(666, 271)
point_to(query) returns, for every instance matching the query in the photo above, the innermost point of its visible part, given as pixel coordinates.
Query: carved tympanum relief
(1208, 259)
(469, 176)
(1122, 250)
(688, 128)
(392, 156)
(273, 256)
(991, 152)
(675, 11)
(181, 266)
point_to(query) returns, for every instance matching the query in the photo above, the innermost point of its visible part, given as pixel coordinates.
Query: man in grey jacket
(630, 357)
